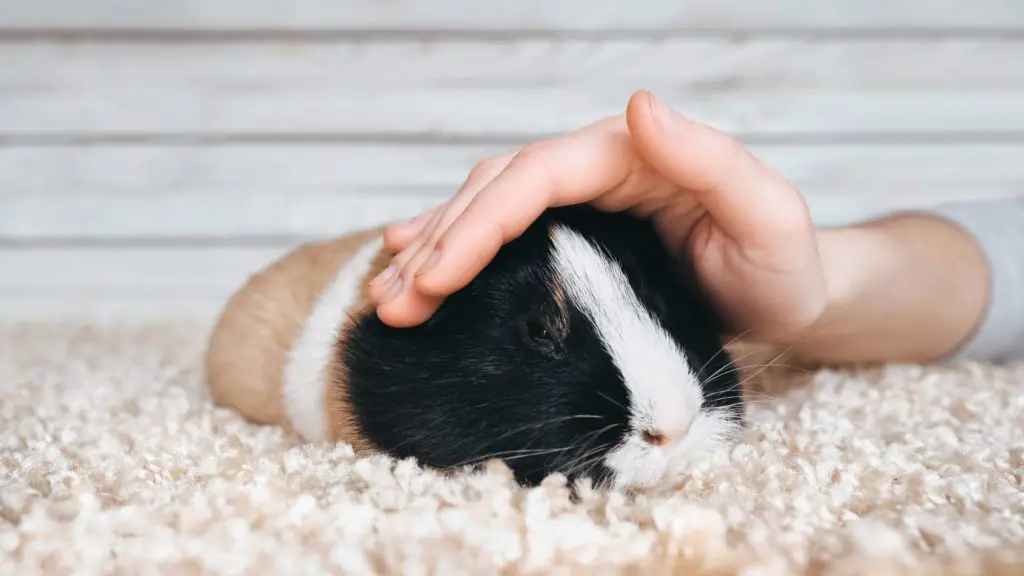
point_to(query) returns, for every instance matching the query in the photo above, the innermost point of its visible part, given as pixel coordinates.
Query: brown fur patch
(560, 321)
(249, 345)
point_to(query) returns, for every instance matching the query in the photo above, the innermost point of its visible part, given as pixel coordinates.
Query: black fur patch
(491, 374)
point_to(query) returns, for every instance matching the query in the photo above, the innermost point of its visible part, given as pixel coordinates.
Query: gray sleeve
(998, 227)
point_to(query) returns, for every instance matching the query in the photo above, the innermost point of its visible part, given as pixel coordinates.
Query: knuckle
(436, 237)
(728, 158)
(489, 166)
(533, 150)
(732, 151)
(434, 240)
(796, 220)
(403, 257)
(538, 160)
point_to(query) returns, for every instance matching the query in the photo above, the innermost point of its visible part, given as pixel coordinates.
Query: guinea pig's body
(581, 348)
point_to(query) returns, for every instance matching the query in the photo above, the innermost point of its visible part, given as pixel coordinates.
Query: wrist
(856, 261)
(853, 262)
(909, 288)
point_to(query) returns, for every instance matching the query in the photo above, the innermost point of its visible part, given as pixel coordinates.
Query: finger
(748, 200)
(398, 303)
(408, 308)
(399, 236)
(409, 260)
(483, 174)
(381, 284)
(381, 288)
(401, 260)
(571, 169)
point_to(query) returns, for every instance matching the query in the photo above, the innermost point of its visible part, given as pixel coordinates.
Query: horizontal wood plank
(134, 283)
(224, 192)
(584, 15)
(97, 283)
(778, 63)
(516, 90)
(193, 270)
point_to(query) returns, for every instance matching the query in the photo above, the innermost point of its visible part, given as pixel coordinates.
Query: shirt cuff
(998, 227)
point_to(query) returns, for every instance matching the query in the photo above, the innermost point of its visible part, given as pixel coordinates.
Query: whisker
(584, 460)
(728, 365)
(535, 452)
(760, 397)
(722, 349)
(730, 389)
(509, 455)
(762, 367)
(543, 423)
(537, 425)
(737, 387)
(757, 400)
(766, 366)
(587, 460)
(754, 366)
(548, 422)
(610, 399)
(588, 438)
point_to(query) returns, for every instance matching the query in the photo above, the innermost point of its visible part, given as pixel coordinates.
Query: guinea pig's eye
(537, 331)
(539, 335)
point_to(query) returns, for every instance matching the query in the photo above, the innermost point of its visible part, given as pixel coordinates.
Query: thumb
(745, 198)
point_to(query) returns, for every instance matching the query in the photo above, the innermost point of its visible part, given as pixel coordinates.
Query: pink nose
(655, 437)
(661, 437)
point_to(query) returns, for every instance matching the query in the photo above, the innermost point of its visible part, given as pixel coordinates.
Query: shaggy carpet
(114, 461)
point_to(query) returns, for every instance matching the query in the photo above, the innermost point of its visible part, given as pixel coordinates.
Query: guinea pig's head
(580, 349)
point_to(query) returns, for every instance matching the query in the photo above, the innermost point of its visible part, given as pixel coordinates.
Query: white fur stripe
(663, 387)
(664, 394)
(305, 374)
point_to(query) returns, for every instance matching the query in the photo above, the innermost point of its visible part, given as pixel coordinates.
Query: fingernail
(393, 290)
(665, 118)
(429, 263)
(385, 276)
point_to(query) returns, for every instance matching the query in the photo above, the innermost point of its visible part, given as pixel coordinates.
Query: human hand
(745, 228)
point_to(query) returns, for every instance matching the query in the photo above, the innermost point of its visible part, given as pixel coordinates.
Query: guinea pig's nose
(663, 436)
(655, 437)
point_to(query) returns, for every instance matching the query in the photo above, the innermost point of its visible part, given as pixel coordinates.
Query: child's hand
(746, 228)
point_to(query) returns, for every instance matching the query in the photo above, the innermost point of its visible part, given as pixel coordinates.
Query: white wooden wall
(152, 154)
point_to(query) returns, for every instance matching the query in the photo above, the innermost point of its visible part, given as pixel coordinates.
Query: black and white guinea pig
(583, 348)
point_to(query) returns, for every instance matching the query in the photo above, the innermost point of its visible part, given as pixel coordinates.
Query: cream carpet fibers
(113, 460)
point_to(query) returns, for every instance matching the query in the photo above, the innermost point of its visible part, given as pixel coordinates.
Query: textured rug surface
(114, 461)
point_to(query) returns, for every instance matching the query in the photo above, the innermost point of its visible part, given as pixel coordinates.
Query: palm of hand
(768, 282)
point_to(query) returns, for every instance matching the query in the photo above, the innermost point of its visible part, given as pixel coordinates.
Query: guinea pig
(584, 348)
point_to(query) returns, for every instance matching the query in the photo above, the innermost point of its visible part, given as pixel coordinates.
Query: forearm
(908, 288)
